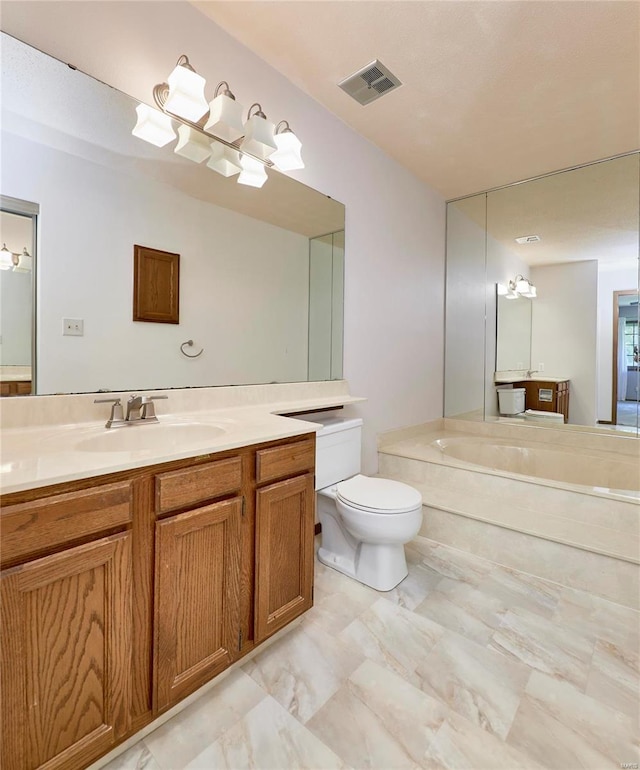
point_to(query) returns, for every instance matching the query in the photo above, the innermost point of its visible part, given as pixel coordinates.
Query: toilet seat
(375, 495)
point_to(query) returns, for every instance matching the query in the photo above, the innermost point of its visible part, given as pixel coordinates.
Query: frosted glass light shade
(186, 94)
(6, 258)
(225, 118)
(153, 126)
(502, 290)
(258, 137)
(253, 172)
(224, 160)
(287, 157)
(192, 144)
(25, 262)
(525, 288)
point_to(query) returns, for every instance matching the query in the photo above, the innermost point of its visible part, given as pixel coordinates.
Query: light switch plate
(72, 327)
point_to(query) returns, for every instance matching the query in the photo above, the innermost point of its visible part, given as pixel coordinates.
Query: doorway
(625, 391)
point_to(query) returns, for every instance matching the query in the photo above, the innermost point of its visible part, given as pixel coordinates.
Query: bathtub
(564, 507)
(596, 471)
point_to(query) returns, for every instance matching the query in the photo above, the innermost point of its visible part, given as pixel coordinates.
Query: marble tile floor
(466, 664)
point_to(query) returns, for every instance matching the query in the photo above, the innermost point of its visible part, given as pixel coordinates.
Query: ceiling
(493, 92)
(588, 213)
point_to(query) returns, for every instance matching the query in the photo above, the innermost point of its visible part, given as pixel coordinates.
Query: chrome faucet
(531, 372)
(141, 409)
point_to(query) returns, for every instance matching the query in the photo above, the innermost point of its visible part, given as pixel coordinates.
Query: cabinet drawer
(42, 525)
(180, 489)
(285, 460)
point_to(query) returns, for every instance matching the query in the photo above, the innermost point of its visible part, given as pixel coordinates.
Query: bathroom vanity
(546, 395)
(123, 593)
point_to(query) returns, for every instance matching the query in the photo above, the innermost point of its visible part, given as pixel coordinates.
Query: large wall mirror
(571, 239)
(261, 270)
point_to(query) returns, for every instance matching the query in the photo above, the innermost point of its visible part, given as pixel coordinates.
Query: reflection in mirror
(513, 348)
(575, 236)
(245, 277)
(465, 308)
(18, 226)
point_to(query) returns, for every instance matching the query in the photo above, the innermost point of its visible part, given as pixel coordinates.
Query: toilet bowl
(365, 521)
(536, 415)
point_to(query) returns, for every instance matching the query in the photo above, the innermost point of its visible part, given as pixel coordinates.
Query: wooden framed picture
(156, 285)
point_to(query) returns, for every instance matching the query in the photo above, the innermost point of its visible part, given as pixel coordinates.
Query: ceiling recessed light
(528, 239)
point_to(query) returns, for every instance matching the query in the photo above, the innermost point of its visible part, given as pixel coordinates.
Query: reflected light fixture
(19, 263)
(192, 144)
(153, 126)
(6, 258)
(224, 160)
(287, 157)
(22, 263)
(216, 130)
(253, 172)
(521, 287)
(186, 92)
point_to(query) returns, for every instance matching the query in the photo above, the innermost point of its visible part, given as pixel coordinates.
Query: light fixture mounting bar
(160, 93)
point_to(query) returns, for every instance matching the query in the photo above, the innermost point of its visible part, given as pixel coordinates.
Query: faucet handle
(116, 418)
(148, 411)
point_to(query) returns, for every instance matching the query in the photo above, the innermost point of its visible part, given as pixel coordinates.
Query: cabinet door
(197, 605)
(284, 553)
(66, 655)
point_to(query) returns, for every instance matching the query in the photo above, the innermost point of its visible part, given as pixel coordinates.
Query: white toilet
(365, 521)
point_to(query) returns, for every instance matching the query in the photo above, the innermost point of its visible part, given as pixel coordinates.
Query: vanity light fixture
(186, 92)
(225, 115)
(258, 134)
(287, 157)
(216, 131)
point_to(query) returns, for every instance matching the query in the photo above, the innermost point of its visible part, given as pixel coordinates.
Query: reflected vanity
(261, 270)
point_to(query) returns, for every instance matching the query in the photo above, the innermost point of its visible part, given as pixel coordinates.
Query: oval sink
(158, 437)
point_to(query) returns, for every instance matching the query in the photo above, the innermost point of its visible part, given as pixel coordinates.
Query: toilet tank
(338, 448)
(511, 400)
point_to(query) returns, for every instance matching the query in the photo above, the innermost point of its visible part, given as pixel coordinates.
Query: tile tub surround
(40, 435)
(577, 536)
(373, 680)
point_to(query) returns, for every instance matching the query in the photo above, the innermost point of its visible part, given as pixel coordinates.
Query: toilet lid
(379, 495)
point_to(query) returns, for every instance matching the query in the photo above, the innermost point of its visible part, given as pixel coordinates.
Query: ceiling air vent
(370, 83)
(528, 239)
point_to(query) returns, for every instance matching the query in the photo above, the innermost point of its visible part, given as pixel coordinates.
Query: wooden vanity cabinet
(284, 553)
(124, 593)
(545, 396)
(66, 651)
(15, 387)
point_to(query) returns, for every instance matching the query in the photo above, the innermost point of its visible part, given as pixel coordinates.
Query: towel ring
(189, 343)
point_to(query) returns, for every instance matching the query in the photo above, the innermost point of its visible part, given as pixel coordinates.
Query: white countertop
(15, 373)
(42, 455)
(510, 379)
